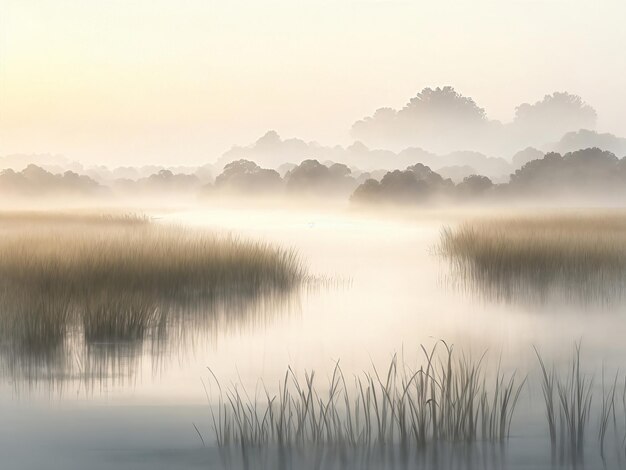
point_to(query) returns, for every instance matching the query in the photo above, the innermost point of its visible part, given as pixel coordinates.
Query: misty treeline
(443, 120)
(34, 181)
(440, 127)
(585, 175)
(440, 146)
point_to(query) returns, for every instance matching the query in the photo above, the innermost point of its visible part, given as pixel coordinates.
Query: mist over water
(378, 286)
(312, 235)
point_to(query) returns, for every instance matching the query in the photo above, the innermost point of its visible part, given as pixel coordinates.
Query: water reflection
(558, 258)
(597, 290)
(443, 456)
(77, 357)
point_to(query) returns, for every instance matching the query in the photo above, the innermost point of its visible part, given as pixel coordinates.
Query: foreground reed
(568, 406)
(447, 399)
(577, 255)
(448, 405)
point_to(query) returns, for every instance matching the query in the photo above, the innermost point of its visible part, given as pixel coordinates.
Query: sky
(179, 82)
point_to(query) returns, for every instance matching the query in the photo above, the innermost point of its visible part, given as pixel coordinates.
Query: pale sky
(178, 82)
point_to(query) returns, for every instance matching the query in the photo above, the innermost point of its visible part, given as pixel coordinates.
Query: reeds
(607, 410)
(448, 402)
(122, 278)
(579, 256)
(447, 399)
(568, 400)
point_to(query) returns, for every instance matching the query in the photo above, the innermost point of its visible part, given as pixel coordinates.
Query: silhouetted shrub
(245, 176)
(474, 186)
(35, 181)
(415, 184)
(313, 178)
(529, 154)
(582, 173)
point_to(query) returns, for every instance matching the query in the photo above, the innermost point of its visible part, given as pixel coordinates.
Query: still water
(378, 289)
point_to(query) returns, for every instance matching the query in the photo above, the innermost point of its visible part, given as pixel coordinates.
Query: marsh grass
(568, 400)
(450, 406)
(98, 280)
(612, 419)
(576, 256)
(571, 414)
(402, 410)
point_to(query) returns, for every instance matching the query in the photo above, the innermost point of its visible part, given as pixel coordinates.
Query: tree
(413, 185)
(584, 173)
(527, 155)
(473, 186)
(246, 176)
(547, 120)
(443, 104)
(439, 119)
(314, 178)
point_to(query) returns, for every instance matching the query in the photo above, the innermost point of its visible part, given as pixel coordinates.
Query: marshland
(326, 338)
(572, 254)
(76, 287)
(312, 235)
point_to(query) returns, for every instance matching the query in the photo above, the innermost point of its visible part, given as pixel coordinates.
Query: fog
(350, 234)
(439, 128)
(117, 84)
(589, 176)
(375, 274)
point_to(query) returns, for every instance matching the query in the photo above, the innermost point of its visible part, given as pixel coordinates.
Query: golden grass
(122, 278)
(577, 254)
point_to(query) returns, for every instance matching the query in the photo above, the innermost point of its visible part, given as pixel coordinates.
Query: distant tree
(434, 119)
(584, 173)
(167, 180)
(473, 186)
(434, 180)
(585, 138)
(269, 150)
(443, 104)
(247, 176)
(414, 185)
(306, 173)
(285, 168)
(339, 170)
(235, 169)
(35, 181)
(314, 178)
(367, 192)
(547, 120)
(404, 186)
(524, 156)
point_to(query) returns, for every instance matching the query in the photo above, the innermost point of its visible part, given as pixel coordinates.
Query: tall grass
(581, 256)
(447, 399)
(405, 414)
(123, 278)
(607, 410)
(568, 400)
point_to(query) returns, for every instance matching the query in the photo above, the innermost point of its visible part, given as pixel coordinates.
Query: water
(389, 294)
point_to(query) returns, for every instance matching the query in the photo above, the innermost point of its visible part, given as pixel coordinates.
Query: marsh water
(378, 289)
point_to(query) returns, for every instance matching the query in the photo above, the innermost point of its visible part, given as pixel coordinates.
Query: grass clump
(123, 278)
(574, 255)
(568, 400)
(447, 399)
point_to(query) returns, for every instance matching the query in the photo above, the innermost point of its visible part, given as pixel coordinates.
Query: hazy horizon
(312, 234)
(156, 83)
